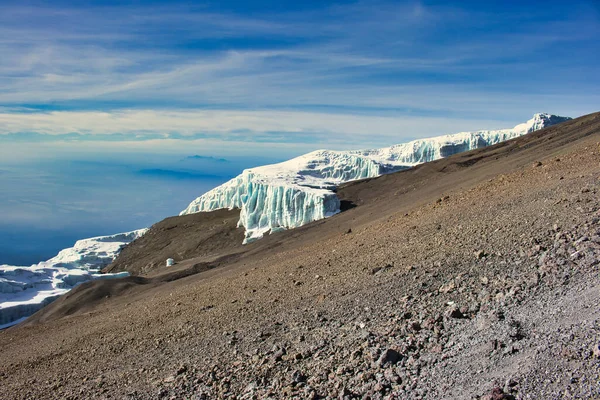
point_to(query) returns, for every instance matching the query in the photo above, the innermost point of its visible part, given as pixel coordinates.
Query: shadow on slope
(88, 295)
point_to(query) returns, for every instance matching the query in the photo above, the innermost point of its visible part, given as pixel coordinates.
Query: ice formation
(302, 190)
(25, 290)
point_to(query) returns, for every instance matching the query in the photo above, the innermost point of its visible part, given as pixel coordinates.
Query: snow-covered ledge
(25, 290)
(301, 190)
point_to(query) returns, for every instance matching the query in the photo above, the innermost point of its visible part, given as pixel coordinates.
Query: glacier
(25, 290)
(301, 190)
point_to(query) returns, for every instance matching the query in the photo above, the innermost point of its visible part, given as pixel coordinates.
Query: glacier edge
(25, 290)
(301, 190)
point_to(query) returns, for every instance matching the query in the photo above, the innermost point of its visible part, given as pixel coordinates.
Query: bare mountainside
(475, 276)
(202, 235)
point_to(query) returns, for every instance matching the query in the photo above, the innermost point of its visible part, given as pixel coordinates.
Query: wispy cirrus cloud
(260, 126)
(329, 70)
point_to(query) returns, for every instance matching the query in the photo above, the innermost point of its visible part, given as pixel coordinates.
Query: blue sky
(101, 101)
(250, 77)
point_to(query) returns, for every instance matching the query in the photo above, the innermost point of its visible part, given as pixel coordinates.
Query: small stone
(278, 356)
(510, 384)
(596, 350)
(537, 164)
(497, 394)
(480, 254)
(437, 349)
(454, 312)
(391, 376)
(448, 287)
(415, 326)
(356, 354)
(389, 356)
(298, 376)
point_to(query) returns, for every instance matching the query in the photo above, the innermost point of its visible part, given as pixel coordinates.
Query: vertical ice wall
(275, 207)
(289, 194)
(301, 190)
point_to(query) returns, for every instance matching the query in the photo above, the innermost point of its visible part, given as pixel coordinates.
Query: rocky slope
(471, 277)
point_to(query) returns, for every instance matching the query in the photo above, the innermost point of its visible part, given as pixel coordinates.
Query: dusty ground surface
(203, 235)
(473, 277)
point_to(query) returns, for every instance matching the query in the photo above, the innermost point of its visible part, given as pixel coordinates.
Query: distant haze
(204, 158)
(46, 206)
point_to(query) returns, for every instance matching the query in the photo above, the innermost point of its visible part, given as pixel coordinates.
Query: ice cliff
(25, 290)
(301, 190)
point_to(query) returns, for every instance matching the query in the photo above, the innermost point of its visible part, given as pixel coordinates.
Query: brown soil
(204, 235)
(476, 275)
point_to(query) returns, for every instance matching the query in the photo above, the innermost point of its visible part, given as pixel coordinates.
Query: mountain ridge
(424, 182)
(318, 175)
(301, 190)
(472, 276)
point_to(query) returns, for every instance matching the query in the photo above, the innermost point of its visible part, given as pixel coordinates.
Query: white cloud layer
(361, 74)
(225, 124)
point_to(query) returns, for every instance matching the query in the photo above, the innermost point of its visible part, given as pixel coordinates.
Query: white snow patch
(25, 290)
(301, 190)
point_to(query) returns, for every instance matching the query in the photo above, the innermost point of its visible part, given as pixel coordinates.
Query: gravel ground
(488, 292)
